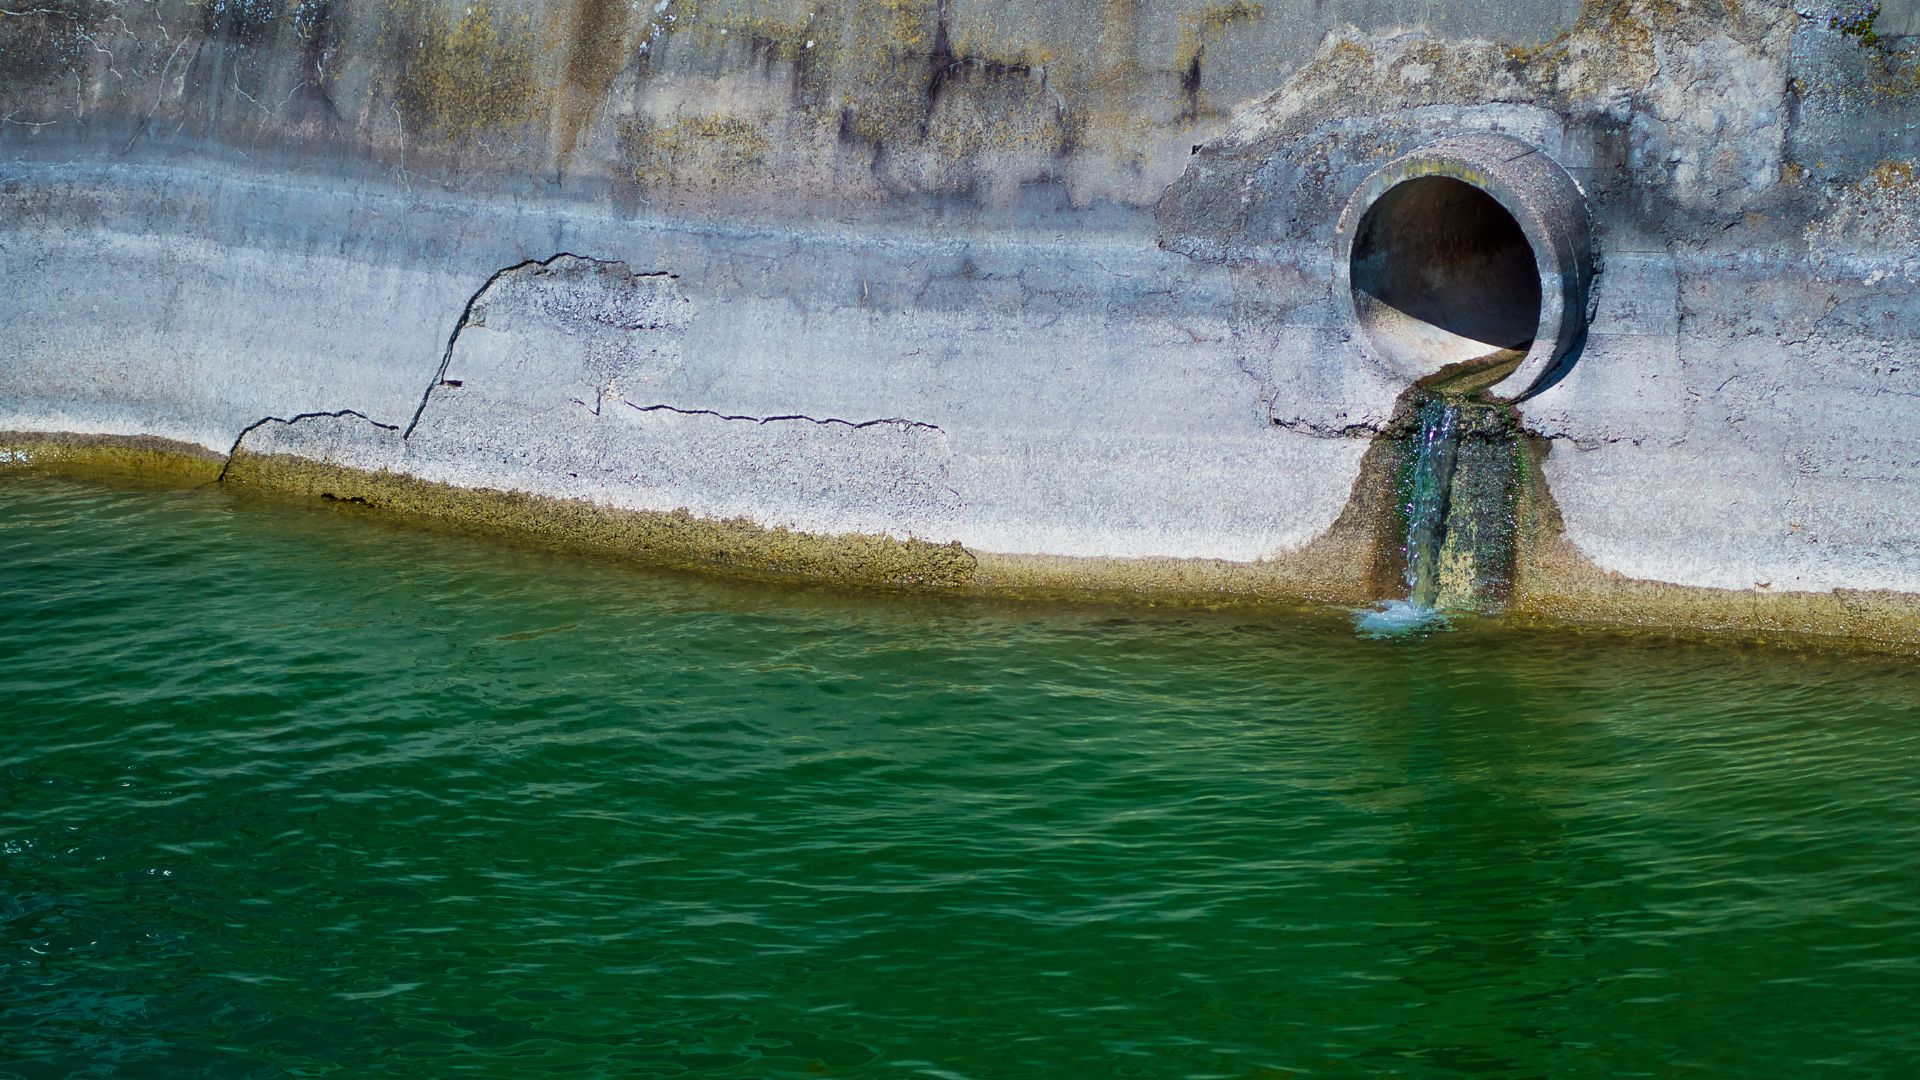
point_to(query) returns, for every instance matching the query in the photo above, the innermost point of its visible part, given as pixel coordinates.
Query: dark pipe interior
(1448, 254)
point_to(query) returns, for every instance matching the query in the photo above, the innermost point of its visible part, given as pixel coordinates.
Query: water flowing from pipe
(1435, 452)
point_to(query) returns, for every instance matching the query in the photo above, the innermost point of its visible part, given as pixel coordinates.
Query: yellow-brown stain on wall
(596, 49)
(461, 76)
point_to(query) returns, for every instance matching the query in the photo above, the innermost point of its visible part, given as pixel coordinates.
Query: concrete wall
(1046, 279)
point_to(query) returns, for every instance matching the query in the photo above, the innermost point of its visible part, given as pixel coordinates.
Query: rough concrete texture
(1050, 281)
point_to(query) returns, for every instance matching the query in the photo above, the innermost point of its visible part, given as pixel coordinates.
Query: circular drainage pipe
(1471, 252)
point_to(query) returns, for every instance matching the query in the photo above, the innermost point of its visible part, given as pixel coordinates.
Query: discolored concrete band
(1551, 211)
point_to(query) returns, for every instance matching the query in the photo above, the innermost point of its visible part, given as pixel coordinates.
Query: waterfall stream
(1436, 449)
(1456, 486)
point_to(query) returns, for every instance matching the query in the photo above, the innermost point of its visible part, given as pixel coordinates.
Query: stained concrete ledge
(1556, 588)
(137, 460)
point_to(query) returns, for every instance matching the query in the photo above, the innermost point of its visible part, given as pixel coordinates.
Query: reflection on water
(288, 791)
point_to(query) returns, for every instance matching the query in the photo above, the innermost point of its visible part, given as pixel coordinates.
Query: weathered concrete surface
(1052, 281)
(1057, 410)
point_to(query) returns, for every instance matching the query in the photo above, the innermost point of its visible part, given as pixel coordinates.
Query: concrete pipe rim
(1548, 211)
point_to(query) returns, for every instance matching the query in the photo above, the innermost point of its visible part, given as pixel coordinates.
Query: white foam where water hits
(1399, 619)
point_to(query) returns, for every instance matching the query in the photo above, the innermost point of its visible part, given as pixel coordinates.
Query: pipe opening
(1442, 272)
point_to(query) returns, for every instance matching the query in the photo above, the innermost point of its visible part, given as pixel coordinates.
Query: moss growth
(1877, 211)
(1625, 22)
(138, 460)
(595, 32)
(462, 77)
(1894, 176)
(690, 149)
(1857, 21)
(674, 540)
(887, 94)
(1899, 74)
(1611, 43)
(1557, 585)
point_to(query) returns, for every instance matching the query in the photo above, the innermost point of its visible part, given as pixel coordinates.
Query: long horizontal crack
(1587, 442)
(827, 421)
(1362, 430)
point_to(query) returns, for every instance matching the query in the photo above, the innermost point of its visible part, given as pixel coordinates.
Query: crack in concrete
(821, 421)
(1363, 430)
(1262, 385)
(466, 316)
(466, 320)
(290, 421)
(1586, 443)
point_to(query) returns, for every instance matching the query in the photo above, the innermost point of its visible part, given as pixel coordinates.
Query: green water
(290, 791)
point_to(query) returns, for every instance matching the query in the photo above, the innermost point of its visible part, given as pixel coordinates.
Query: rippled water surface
(291, 791)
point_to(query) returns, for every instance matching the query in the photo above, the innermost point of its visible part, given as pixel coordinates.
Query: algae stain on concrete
(888, 96)
(1557, 585)
(137, 460)
(1553, 585)
(689, 150)
(1462, 552)
(596, 48)
(674, 540)
(463, 75)
(1506, 553)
